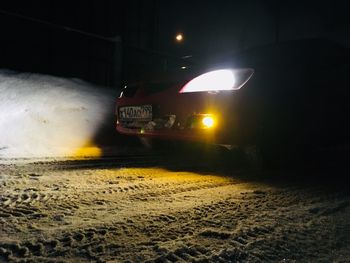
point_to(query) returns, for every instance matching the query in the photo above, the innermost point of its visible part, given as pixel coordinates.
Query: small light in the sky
(179, 37)
(183, 67)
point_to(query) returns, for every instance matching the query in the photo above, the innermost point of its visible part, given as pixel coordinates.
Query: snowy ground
(137, 209)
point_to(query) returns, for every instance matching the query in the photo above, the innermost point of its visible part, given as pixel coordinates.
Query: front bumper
(170, 134)
(168, 127)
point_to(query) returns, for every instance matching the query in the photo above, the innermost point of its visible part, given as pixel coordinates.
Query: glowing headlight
(208, 121)
(217, 80)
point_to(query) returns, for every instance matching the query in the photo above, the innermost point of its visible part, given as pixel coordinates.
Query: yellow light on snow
(88, 151)
(208, 121)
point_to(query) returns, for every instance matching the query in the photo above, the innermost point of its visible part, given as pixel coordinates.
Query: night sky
(213, 27)
(81, 38)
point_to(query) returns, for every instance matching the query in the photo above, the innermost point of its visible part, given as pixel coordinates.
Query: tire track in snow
(96, 213)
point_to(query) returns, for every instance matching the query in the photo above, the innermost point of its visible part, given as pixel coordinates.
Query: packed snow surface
(126, 211)
(44, 116)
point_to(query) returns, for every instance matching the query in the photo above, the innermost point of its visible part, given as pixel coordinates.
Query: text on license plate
(143, 112)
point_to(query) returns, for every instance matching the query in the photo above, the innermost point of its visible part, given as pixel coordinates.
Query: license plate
(143, 112)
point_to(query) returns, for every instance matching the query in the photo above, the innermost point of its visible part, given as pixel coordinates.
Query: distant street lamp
(179, 37)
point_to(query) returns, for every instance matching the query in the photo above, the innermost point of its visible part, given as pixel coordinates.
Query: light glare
(223, 79)
(208, 121)
(179, 37)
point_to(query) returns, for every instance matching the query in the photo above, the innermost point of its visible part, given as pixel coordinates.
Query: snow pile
(46, 116)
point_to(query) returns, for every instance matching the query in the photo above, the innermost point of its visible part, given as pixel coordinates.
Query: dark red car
(184, 106)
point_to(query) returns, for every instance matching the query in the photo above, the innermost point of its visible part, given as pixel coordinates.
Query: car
(282, 100)
(182, 107)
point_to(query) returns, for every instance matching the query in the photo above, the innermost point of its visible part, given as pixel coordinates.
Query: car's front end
(197, 109)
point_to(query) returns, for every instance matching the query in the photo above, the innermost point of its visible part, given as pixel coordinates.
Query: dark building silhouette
(88, 39)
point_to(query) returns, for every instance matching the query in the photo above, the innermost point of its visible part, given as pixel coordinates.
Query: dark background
(109, 42)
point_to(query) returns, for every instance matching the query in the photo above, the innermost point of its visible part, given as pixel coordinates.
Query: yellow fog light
(208, 121)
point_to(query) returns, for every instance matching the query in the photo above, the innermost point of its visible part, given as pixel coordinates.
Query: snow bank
(46, 116)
